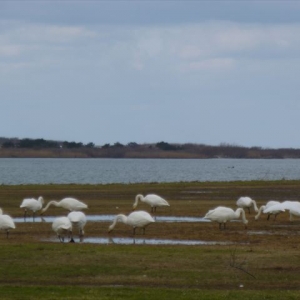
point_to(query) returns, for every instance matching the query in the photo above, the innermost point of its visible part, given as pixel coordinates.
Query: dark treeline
(14, 147)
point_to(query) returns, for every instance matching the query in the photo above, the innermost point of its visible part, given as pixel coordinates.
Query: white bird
(33, 205)
(6, 223)
(78, 219)
(246, 202)
(69, 204)
(135, 219)
(272, 212)
(294, 208)
(63, 227)
(223, 214)
(151, 199)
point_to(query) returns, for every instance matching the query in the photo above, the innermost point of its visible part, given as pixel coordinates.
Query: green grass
(267, 266)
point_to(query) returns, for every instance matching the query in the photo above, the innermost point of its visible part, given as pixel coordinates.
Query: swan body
(272, 212)
(33, 205)
(151, 199)
(62, 226)
(78, 219)
(69, 204)
(246, 202)
(135, 219)
(223, 214)
(6, 223)
(294, 209)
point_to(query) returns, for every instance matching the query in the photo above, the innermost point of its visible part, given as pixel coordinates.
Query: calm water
(93, 171)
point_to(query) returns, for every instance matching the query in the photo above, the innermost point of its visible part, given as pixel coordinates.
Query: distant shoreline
(144, 153)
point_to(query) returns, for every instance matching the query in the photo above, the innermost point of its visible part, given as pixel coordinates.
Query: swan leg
(133, 230)
(7, 233)
(268, 217)
(33, 216)
(25, 212)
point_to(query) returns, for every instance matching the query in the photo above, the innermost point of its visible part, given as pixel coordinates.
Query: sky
(203, 72)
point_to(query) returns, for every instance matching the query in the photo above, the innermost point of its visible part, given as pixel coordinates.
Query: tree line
(15, 147)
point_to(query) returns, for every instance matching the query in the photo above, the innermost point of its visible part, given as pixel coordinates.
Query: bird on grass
(273, 211)
(69, 204)
(223, 214)
(246, 202)
(151, 199)
(6, 223)
(78, 219)
(135, 219)
(32, 204)
(62, 226)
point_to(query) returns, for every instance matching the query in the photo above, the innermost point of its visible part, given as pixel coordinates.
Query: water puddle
(110, 218)
(142, 241)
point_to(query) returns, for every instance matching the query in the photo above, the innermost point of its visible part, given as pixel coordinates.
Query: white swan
(151, 199)
(6, 223)
(33, 205)
(69, 204)
(272, 212)
(223, 214)
(63, 227)
(78, 219)
(294, 209)
(246, 202)
(135, 219)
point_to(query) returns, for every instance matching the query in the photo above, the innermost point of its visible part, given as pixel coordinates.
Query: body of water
(14, 171)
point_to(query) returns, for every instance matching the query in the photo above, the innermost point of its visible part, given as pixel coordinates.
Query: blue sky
(206, 72)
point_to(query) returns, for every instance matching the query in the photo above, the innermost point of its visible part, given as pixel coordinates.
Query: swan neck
(53, 202)
(260, 211)
(137, 198)
(255, 206)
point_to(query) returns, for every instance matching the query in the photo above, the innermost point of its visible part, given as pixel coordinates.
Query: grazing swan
(246, 202)
(272, 212)
(69, 204)
(33, 205)
(223, 214)
(294, 209)
(151, 199)
(78, 219)
(135, 219)
(6, 223)
(63, 227)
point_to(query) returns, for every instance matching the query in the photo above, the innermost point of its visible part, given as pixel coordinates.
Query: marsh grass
(32, 267)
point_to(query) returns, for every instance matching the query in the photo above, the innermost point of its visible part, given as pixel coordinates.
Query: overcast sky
(206, 72)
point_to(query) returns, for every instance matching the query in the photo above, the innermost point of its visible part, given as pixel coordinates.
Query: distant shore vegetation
(31, 148)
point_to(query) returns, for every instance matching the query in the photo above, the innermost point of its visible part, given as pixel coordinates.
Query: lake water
(15, 171)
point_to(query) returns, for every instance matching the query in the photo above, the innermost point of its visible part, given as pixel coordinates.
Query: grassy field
(260, 262)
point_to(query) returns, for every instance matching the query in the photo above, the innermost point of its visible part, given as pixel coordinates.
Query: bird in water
(32, 204)
(62, 226)
(6, 223)
(246, 202)
(135, 219)
(69, 204)
(223, 214)
(78, 219)
(151, 199)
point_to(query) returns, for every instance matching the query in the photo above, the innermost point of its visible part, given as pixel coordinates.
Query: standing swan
(151, 199)
(6, 223)
(69, 204)
(63, 226)
(272, 212)
(135, 219)
(78, 219)
(223, 214)
(33, 205)
(246, 202)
